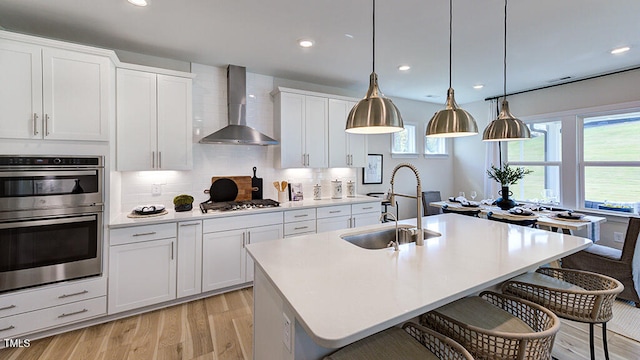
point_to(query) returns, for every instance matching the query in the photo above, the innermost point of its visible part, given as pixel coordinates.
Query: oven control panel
(49, 161)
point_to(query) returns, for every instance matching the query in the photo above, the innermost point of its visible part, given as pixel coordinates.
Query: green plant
(507, 175)
(182, 200)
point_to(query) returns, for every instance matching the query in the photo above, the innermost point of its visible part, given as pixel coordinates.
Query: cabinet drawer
(333, 211)
(135, 234)
(365, 208)
(299, 215)
(300, 227)
(51, 317)
(54, 295)
(242, 222)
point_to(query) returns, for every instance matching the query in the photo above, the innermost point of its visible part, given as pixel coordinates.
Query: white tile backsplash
(209, 115)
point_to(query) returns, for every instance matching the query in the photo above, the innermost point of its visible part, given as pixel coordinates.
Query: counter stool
(396, 343)
(496, 326)
(571, 294)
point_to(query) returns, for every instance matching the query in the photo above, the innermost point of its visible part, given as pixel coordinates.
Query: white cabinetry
(333, 218)
(142, 266)
(223, 249)
(345, 150)
(303, 129)
(52, 93)
(189, 272)
(32, 310)
(299, 222)
(153, 121)
(365, 214)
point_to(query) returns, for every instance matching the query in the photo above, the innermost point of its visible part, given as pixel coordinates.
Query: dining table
(547, 219)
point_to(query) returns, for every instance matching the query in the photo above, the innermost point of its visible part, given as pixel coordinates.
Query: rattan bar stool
(396, 343)
(497, 326)
(571, 294)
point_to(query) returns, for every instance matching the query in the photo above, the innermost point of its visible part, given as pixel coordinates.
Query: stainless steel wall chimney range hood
(237, 132)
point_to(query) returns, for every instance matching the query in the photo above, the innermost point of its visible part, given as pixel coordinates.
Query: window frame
(447, 146)
(415, 142)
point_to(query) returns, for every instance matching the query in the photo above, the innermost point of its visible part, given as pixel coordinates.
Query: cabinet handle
(244, 239)
(172, 244)
(303, 215)
(367, 208)
(153, 159)
(248, 237)
(300, 228)
(7, 307)
(335, 211)
(46, 124)
(73, 313)
(74, 294)
(145, 234)
(8, 328)
(35, 124)
(159, 159)
(351, 222)
(190, 224)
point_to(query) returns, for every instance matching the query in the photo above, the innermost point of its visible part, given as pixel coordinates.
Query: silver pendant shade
(452, 121)
(374, 114)
(506, 127)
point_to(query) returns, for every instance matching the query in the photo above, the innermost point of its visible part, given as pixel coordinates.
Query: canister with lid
(351, 189)
(317, 192)
(336, 189)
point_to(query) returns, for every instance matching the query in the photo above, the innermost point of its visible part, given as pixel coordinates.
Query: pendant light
(374, 114)
(452, 121)
(506, 127)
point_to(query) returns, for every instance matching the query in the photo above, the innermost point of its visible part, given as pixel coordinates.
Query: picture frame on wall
(372, 173)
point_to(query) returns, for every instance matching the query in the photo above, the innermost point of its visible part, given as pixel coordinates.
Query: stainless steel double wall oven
(51, 210)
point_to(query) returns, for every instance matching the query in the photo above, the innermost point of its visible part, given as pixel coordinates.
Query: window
(404, 142)
(434, 146)
(587, 161)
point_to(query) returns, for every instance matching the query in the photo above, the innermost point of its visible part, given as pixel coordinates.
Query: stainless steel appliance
(51, 210)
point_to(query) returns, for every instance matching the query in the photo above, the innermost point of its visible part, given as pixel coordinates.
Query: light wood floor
(220, 327)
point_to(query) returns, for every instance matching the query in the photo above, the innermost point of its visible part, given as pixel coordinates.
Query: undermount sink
(380, 238)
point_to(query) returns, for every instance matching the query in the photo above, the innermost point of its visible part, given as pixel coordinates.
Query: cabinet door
(292, 114)
(141, 274)
(338, 111)
(334, 223)
(316, 131)
(357, 144)
(76, 94)
(366, 219)
(174, 123)
(256, 235)
(223, 259)
(189, 265)
(136, 120)
(21, 90)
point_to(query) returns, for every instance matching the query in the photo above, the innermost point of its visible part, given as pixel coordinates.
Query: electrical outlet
(156, 189)
(286, 332)
(618, 237)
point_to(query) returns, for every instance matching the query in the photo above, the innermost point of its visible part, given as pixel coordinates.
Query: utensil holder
(283, 196)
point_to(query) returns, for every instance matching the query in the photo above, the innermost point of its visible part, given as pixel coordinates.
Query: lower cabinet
(365, 214)
(189, 271)
(225, 260)
(333, 218)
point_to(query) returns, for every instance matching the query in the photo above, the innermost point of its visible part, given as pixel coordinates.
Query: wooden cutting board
(244, 186)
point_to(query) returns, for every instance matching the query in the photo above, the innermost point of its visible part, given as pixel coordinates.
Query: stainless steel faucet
(394, 243)
(418, 197)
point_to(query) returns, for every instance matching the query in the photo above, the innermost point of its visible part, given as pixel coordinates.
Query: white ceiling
(547, 39)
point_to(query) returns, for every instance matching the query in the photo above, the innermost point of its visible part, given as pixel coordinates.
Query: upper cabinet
(303, 129)
(153, 121)
(345, 150)
(53, 93)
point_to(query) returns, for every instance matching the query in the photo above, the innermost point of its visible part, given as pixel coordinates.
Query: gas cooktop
(212, 206)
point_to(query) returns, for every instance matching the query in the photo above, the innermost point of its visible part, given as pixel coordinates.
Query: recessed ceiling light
(305, 43)
(138, 2)
(478, 86)
(404, 67)
(349, 36)
(252, 96)
(620, 50)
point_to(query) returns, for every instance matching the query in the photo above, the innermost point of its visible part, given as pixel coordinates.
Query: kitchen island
(333, 293)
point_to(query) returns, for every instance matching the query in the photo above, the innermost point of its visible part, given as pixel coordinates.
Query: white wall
(469, 153)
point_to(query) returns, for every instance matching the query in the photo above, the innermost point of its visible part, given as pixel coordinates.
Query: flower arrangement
(507, 175)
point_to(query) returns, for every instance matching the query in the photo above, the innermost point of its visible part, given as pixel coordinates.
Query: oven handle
(28, 173)
(50, 221)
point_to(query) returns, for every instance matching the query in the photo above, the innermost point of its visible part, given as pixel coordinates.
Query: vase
(504, 202)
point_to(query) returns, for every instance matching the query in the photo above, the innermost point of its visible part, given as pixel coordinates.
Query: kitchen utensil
(256, 184)
(223, 189)
(283, 185)
(276, 185)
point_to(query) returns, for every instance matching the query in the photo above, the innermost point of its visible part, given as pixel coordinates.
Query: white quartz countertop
(123, 221)
(341, 293)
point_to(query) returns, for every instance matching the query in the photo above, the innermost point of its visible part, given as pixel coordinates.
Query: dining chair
(429, 197)
(525, 222)
(413, 341)
(612, 262)
(575, 295)
(497, 326)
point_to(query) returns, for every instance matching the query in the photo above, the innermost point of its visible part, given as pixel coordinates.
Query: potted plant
(506, 176)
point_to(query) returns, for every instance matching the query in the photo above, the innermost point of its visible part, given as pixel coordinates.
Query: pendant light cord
(450, 37)
(504, 75)
(373, 65)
